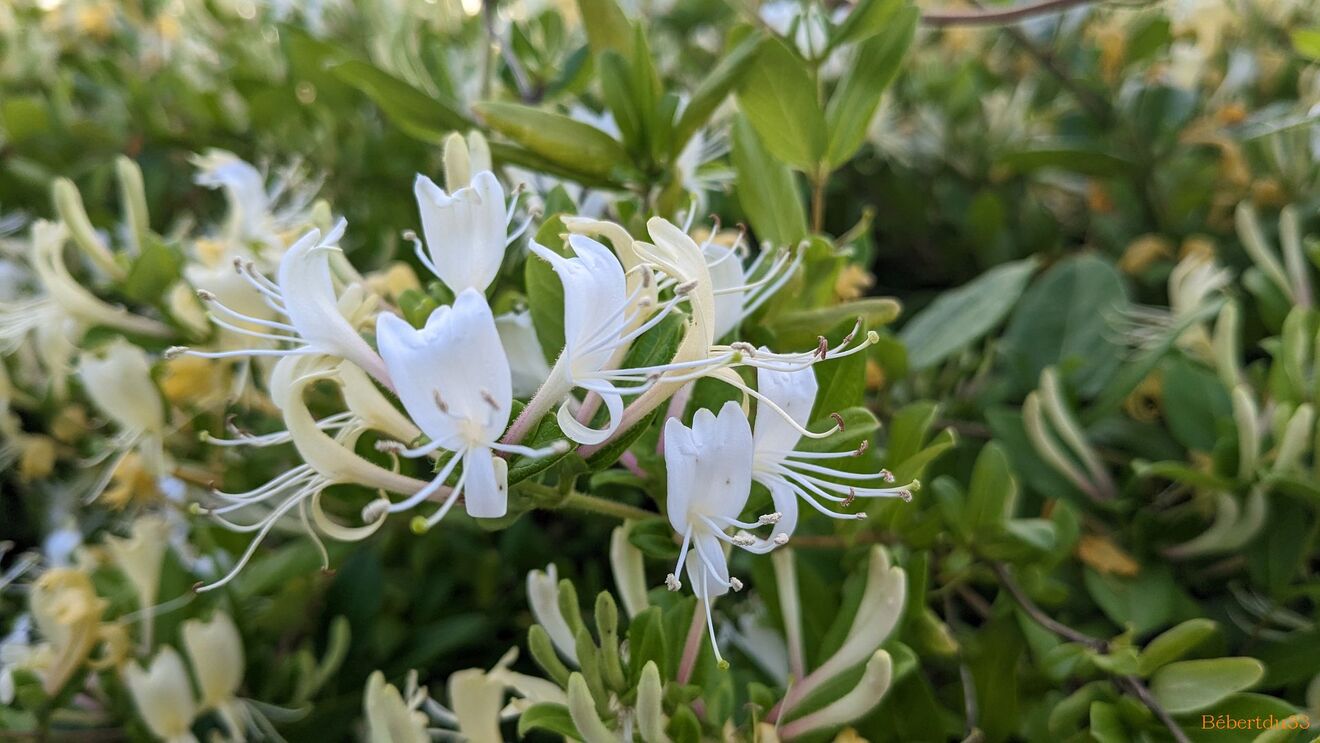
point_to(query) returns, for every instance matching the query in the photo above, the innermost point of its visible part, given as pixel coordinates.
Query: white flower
(526, 358)
(216, 652)
(389, 718)
(477, 699)
(245, 192)
(118, 380)
(601, 319)
(466, 231)
(164, 696)
(629, 570)
(735, 296)
(710, 478)
(851, 706)
(543, 596)
(304, 292)
(790, 474)
(453, 379)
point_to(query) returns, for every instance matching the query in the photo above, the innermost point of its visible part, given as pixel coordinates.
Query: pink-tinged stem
(692, 646)
(550, 393)
(677, 404)
(630, 463)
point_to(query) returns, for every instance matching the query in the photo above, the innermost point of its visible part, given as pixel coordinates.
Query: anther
(838, 420)
(387, 446)
(409, 235)
(861, 449)
(905, 496)
(781, 539)
(686, 287)
(205, 295)
(822, 347)
(860, 516)
(852, 496)
(173, 352)
(743, 347)
(743, 539)
(672, 582)
(375, 509)
(735, 584)
(770, 518)
(885, 475)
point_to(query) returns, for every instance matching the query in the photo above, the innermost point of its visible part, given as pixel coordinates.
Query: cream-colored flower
(389, 718)
(139, 556)
(164, 696)
(216, 652)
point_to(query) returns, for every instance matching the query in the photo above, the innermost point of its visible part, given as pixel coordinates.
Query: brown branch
(998, 16)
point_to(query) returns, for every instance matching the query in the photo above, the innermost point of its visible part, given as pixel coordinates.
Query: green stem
(595, 504)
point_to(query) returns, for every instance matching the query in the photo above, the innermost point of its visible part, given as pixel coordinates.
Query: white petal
(163, 694)
(465, 232)
(526, 358)
(486, 492)
(477, 699)
(851, 706)
(795, 393)
(681, 466)
(543, 596)
(726, 273)
(216, 652)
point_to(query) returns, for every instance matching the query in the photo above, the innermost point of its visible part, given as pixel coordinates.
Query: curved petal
(486, 492)
(465, 232)
(724, 455)
(584, 434)
(681, 467)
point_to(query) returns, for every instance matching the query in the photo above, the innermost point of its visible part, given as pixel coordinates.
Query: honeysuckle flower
(526, 358)
(853, 705)
(629, 570)
(465, 158)
(477, 699)
(164, 696)
(790, 474)
(543, 596)
(737, 293)
(710, 478)
(390, 719)
(454, 381)
(529, 690)
(258, 214)
(304, 293)
(599, 324)
(877, 614)
(466, 231)
(117, 378)
(139, 557)
(216, 653)
(327, 461)
(67, 613)
(62, 309)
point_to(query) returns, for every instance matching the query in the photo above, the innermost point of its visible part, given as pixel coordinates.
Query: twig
(971, 709)
(1127, 684)
(998, 16)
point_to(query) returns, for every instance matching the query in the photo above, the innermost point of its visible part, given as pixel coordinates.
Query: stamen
(672, 582)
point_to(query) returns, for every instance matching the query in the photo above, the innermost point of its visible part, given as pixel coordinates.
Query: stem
(691, 646)
(596, 504)
(550, 392)
(818, 202)
(997, 17)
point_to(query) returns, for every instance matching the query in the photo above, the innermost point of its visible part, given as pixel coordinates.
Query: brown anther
(822, 347)
(852, 496)
(838, 420)
(440, 401)
(489, 399)
(861, 449)
(205, 296)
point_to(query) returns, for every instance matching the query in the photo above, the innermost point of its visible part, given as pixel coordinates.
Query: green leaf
(713, 89)
(573, 145)
(867, 18)
(992, 492)
(1142, 603)
(1306, 42)
(854, 102)
(799, 328)
(1241, 708)
(608, 28)
(553, 718)
(154, 271)
(620, 98)
(1192, 685)
(1093, 162)
(655, 538)
(767, 190)
(842, 381)
(416, 113)
(1174, 644)
(959, 317)
(646, 642)
(545, 291)
(1194, 402)
(779, 98)
(1106, 726)
(1064, 320)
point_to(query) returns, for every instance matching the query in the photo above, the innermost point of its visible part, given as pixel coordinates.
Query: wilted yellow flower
(130, 483)
(853, 281)
(67, 612)
(1144, 251)
(192, 381)
(393, 280)
(36, 457)
(1102, 555)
